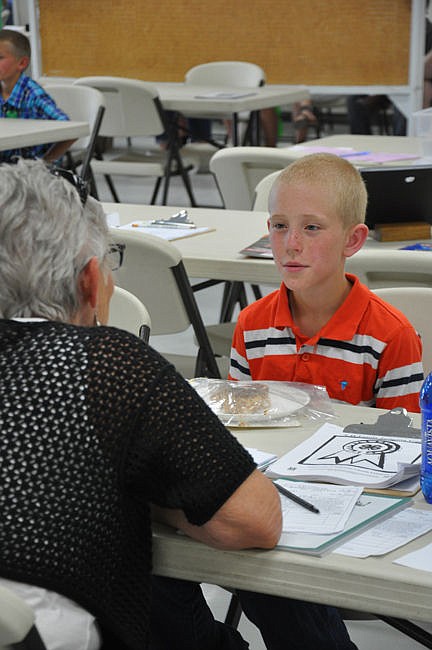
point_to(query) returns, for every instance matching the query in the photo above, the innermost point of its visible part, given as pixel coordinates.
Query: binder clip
(396, 422)
(178, 220)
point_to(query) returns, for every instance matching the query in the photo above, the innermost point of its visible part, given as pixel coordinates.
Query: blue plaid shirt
(30, 101)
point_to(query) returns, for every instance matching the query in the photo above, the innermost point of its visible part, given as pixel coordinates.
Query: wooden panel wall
(316, 42)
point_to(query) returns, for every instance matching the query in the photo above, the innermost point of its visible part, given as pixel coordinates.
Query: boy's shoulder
(24, 86)
(32, 86)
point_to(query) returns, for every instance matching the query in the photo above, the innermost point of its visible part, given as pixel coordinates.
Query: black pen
(296, 499)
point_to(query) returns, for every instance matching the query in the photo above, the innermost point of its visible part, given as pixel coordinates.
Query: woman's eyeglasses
(114, 256)
(78, 183)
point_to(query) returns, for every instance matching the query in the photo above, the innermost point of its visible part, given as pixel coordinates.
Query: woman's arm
(250, 518)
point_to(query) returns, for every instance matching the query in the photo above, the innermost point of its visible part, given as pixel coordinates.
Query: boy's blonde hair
(336, 175)
(19, 43)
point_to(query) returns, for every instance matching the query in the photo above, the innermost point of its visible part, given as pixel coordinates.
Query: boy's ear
(356, 237)
(23, 63)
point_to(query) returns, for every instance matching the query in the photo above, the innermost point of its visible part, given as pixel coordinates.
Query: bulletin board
(312, 42)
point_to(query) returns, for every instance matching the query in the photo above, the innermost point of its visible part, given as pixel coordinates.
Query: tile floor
(368, 635)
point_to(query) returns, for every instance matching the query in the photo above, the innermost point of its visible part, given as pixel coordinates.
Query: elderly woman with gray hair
(97, 428)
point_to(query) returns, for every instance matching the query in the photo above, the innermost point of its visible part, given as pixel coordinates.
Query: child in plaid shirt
(22, 97)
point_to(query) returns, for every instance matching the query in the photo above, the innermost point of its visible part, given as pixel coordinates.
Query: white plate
(281, 406)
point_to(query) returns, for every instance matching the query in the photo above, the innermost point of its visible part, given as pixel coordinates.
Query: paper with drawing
(333, 455)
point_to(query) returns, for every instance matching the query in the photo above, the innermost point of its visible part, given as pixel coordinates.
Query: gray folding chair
(17, 629)
(83, 104)
(153, 271)
(127, 312)
(133, 108)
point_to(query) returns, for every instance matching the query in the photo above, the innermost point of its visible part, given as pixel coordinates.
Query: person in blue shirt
(22, 97)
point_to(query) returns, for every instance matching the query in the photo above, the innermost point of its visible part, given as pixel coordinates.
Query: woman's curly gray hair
(46, 239)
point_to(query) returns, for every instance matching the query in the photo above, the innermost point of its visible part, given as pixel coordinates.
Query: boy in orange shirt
(322, 326)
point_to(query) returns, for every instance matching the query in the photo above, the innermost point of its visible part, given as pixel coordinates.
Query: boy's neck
(311, 312)
(7, 85)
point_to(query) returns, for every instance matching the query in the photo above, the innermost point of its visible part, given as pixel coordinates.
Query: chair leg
(206, 359)
(234, 292)
(230, 298)
(248, 138)
(174, 155)
(410, 629)
(184, 174)
(156, 190)
(256, 291)
(92, 184)
(242, 296)
(234, 612)
(112, 188)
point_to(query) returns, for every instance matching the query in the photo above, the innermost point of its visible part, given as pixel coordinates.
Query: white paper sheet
(334, 502)
(389, 534)
(169, 233)
(420, 559)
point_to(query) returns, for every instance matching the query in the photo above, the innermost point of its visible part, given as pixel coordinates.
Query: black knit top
(94, 425)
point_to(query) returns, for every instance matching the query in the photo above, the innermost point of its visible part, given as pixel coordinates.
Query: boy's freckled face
(307, 235)
(10, 66)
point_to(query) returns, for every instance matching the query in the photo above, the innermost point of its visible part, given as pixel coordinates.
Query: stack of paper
(343, 513)
(336, 456)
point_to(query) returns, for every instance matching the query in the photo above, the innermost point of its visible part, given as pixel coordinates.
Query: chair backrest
(262, 191)
(146, 272)
(132, 106)
(16, 618)
(80, 103)
(153, 271)
(378, 267)
(416, 304)
(238, 170)
(226, 73)
(128, 313)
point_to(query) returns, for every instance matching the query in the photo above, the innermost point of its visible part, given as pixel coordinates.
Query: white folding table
(374, 584)
(224, 101)
(17, 132)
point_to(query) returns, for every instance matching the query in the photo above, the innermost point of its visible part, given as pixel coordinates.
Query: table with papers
(225, 102)
(217, 101)
(365, 150)
(216, 254)
(372, 584)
